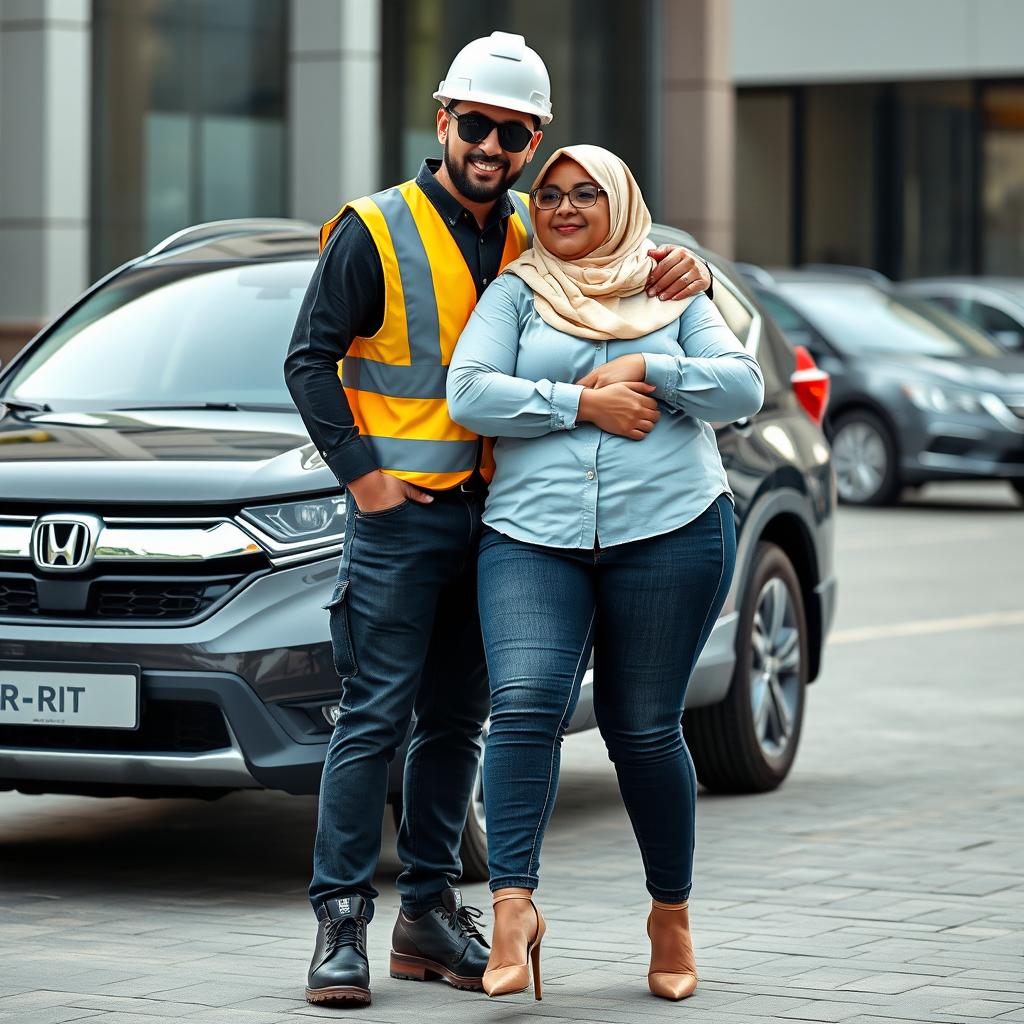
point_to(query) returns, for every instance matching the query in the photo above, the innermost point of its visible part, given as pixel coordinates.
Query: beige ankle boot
(673, 973)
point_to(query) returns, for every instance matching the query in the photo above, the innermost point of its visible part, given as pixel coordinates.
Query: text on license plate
(83, 699)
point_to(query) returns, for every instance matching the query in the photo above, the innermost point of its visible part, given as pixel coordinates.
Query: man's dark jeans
(406, 637)
(647, 608)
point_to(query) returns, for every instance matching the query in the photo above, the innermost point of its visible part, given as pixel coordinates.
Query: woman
(609, 523)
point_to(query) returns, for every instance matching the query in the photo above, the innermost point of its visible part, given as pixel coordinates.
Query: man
(398, 277)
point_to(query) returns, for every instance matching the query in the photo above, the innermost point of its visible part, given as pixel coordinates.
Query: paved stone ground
(883, 882)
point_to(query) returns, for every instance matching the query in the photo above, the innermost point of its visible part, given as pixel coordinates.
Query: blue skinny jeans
(646, 610)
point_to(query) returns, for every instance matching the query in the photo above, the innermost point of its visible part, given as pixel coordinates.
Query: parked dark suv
(169, 536)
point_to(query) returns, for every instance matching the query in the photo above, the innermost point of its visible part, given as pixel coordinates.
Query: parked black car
(917, 393)
(169, 536)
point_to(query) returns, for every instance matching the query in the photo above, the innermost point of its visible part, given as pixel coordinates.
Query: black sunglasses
(549, 197)
(513, 136)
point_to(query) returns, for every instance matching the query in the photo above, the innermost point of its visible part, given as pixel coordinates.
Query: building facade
(122, 121)
(886, 133)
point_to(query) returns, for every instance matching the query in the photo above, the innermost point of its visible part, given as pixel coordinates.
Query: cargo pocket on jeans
(341, 634)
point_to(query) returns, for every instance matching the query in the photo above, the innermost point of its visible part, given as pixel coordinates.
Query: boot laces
(345, 931)
(464, 921)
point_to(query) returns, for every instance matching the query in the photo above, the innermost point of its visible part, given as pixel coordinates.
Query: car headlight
(933, 398)
(316, 521)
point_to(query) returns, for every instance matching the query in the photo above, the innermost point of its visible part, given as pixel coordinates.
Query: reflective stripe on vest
(395, 380)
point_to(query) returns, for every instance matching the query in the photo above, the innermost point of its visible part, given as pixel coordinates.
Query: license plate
(87, 696)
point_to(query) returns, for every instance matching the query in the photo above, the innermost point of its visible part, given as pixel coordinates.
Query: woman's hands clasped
(618, 400)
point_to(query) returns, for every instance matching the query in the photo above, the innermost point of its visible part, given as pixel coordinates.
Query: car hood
(1000, 374)
(158, 456)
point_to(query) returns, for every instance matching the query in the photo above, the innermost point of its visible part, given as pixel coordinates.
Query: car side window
(996, 322)
(749, 329)
(735, 314)
(797, 329)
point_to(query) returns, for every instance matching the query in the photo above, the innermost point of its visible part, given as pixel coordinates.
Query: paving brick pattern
(883, 883)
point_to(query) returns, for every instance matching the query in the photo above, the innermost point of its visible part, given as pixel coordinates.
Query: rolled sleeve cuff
(565, 405)
(351, 461)
(663, 372)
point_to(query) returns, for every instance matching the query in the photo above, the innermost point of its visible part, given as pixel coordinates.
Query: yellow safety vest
(395, 381)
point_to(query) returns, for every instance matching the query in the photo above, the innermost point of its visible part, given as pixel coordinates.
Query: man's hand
(377, 492)
(677, 273)
(618, 371)
(624, 409)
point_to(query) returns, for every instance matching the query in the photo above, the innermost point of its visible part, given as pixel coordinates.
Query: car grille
(132, 569)
(18, 596)
(114, 598)
(164, 727)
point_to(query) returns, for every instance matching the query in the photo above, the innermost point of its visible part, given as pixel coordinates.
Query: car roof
(243, 239)
(840, 280)
(1007, 285)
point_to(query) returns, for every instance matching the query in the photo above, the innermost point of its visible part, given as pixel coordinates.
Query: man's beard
(476, 193)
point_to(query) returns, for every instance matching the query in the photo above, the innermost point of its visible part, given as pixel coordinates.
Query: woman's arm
(483, 392)
(715, 379)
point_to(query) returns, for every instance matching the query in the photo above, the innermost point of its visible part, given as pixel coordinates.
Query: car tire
(865, 459)
(735, 750)
(473, 847)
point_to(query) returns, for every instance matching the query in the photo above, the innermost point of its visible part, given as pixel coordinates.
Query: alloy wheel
(861, 462)
(775, 668)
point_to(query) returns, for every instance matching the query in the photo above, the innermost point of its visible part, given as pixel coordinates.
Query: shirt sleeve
(344, 300)
(716, 379)
(484, 394)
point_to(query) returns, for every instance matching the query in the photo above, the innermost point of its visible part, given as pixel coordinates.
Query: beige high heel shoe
(673, 973)
(503, 981)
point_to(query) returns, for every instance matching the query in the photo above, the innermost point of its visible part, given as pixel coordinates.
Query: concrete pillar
(45, 78)
(695, 103)
(334, 105)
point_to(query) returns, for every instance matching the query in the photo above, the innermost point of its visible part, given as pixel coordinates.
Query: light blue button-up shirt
(565, 484)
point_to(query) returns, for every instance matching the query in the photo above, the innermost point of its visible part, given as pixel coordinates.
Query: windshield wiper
(224, 406)
(17, 405)
(216, 406)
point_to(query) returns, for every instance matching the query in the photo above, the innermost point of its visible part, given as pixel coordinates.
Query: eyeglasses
(549, 197)
(513, 136)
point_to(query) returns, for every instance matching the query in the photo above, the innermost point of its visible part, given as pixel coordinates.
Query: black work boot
(339, 973)
(444, 943)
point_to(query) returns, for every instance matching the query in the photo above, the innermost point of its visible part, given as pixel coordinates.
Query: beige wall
(44, 159)
(790, 41)
(697, 110)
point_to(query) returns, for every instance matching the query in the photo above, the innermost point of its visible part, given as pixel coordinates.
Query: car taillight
(811, 384)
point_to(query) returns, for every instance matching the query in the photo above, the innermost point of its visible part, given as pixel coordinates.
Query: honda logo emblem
(64, 542)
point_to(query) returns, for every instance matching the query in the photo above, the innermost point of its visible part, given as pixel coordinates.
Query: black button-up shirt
(345, 300)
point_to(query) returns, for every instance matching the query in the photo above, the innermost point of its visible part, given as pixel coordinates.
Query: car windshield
(862, 318)
(179, 334)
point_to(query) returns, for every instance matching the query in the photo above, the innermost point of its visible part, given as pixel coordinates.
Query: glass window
(859, 318)
(1007, 330)
(734, 312)
(934, 130)
(1003, 191)
(765, 124)
(596, 53)
(839, 195)
(189, 107)
(172, 334)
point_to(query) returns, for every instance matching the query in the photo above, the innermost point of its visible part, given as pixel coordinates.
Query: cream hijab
(600, 296)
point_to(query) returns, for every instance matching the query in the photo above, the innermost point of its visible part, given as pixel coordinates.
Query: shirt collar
(449, 207)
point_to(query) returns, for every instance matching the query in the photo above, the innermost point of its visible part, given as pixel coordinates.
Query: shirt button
(590, 474)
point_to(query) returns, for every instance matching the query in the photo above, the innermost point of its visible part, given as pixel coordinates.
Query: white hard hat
(502, 71)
